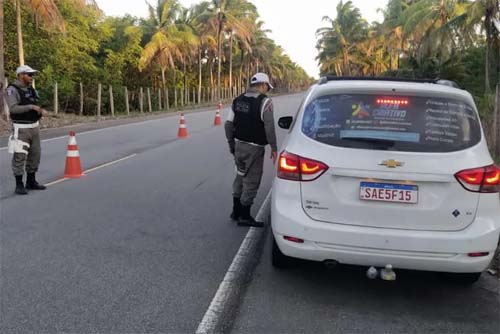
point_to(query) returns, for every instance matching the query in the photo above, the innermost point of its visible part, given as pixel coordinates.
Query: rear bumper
(367, 246)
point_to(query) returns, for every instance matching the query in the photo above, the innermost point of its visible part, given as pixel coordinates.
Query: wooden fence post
(6, 112)
(99, 89)
(56, 99)
(111, 101)
(81, 99)
(167, 102)
(141, 100)
(127, 105)
(150, 109)
(159, 99)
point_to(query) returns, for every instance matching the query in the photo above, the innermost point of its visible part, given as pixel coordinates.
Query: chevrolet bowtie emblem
(391, 163)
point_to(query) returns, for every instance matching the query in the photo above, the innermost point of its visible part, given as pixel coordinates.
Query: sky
(293, 23)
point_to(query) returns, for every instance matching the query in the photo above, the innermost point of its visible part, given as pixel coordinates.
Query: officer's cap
(261, 78)
(25, 69)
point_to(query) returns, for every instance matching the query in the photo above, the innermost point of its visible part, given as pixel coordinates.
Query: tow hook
(386, 274)
(331, 264)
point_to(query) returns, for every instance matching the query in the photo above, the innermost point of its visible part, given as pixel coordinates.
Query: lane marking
(215, 311)
(194, 112)
(109, 163)
(56, 182)
(89, 131)
(88, 171)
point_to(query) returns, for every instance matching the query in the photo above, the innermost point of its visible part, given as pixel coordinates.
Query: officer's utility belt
(26, 125)
(16, 145)
(249, 143)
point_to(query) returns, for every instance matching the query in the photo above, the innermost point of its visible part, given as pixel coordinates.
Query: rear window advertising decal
(408, 123)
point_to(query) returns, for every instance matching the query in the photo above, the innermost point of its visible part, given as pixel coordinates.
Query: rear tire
(278, 259)
(463, 278)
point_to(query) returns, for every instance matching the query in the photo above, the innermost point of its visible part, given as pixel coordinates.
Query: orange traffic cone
(217, 120)
(73, 164)
(183, 133)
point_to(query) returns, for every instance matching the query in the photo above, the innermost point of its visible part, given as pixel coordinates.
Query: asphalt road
(136, 247)
(308, 298)
(141, 246)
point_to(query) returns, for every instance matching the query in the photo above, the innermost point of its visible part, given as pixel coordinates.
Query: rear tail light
(294, 239)
(478, 254)
(296, 168)
(482, 179)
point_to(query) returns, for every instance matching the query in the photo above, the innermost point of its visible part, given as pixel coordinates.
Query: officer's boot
(246, 219)
(20, 189)
(32, 184)
(236, 209)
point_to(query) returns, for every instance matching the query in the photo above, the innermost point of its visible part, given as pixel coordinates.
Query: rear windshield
(402, 123)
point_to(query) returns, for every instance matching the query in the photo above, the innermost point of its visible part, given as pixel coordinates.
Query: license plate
(388, 192)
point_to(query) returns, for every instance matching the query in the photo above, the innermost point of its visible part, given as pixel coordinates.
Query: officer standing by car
(249, 129)
(24, 143)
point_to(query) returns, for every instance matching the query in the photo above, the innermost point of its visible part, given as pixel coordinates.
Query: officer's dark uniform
(250, 127)
(26, 136)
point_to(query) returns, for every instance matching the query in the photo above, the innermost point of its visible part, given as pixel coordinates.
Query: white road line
(92, 131)
(107, 128)
(109, 164)
(212, 315)
(56, 182)
(93, 169)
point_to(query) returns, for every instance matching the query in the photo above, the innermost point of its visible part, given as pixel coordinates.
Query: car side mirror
(285, 122)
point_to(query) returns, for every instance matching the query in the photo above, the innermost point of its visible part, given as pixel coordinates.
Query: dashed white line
(93, 169)
(55, 182)
(93, 131)
(109, 163)
(107, 128)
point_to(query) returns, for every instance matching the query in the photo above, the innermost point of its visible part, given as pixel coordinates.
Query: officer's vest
(28, 97)
(248, 123)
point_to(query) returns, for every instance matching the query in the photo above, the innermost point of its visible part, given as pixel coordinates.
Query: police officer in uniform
(249, 129)
(24, 143)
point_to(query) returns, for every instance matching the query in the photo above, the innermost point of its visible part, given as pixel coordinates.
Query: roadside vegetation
(451, 39)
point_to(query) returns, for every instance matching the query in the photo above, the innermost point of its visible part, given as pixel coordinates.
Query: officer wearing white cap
(249, 128)
(24, 143)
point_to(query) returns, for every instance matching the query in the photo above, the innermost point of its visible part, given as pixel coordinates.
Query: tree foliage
(418, 38)
(73, 42)
(450, 39)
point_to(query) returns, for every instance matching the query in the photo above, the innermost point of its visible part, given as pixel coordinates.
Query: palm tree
(337, 43)
(431, 25)
(241, 32)
(392, 29)
(163, 48)
(484, 12)
(252, 53)
(194, 21)
(44, 11)
(228, 14)
(196, 35)
(373, 54)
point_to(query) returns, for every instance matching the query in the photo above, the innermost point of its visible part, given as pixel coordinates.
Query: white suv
(387, 171)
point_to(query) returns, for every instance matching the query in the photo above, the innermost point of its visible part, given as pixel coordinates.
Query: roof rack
(327, 78)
